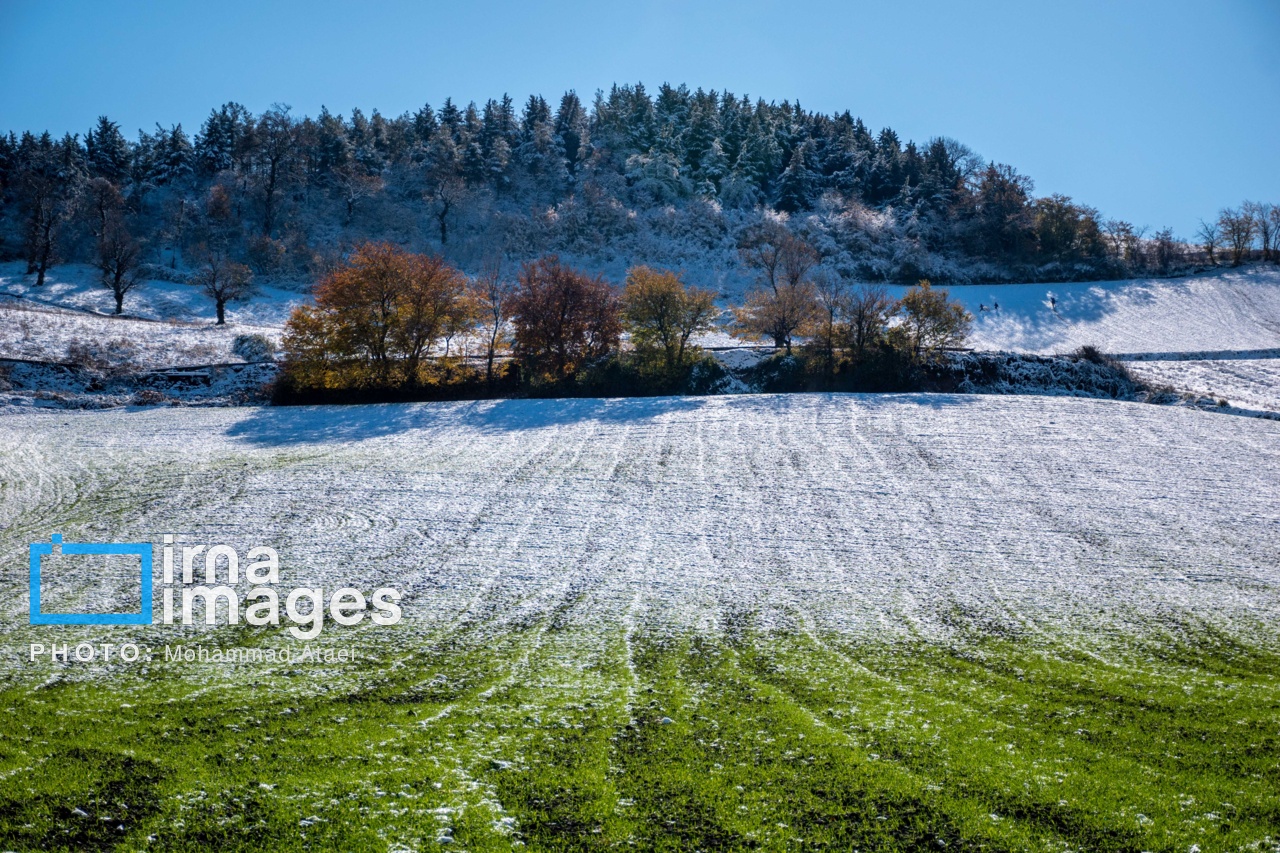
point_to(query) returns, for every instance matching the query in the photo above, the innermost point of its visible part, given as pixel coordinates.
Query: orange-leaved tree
(376, 320)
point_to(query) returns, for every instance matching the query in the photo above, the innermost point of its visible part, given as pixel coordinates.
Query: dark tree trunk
(222, 312)
(46, 254)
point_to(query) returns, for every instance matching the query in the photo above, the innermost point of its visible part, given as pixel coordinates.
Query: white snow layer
(895, 517)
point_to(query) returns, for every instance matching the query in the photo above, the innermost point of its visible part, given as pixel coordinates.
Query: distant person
(995, 306)
(1053, 304)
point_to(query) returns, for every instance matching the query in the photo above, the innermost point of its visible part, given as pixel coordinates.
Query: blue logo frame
(141, 549)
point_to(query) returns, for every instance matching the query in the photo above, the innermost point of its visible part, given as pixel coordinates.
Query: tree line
(392, 323)
(673, 178)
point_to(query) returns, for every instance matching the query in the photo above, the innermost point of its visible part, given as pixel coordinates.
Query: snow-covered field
(926, 618)
(882, 517)
(1250, 383)
(1230, 310)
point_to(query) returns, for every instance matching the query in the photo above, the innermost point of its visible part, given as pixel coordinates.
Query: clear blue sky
(1156, 112)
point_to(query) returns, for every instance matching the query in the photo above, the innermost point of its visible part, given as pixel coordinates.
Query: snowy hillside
(1222, 311)
(165, 323)
(76, 286)
(1247, 382)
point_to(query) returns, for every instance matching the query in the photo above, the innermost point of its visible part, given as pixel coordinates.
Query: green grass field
(684, 742)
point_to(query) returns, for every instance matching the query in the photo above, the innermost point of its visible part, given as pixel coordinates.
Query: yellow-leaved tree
(662, 313)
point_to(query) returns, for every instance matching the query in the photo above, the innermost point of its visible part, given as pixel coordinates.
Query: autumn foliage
(379, 321)
(392, 324)
(662, 313)
(563, 319)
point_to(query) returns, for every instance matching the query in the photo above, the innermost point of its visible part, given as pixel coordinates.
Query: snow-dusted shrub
(253, 348)
(115, 354)
(1089, 352)
(149, 397)
(1093, 355)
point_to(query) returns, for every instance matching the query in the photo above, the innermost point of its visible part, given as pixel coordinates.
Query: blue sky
(1156, 112)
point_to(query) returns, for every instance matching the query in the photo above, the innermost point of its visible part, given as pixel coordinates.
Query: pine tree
(642, 122)
(702, 132)
(332, 149)
(759, 160)
(451, 119)
(796, 186)
(173, 156)
(571, 127)
(107, 152)
(225, 140)
(424, 125)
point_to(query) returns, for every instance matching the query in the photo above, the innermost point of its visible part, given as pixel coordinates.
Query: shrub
(1090, 353)
(254, 348)
(149, 397)
(115, 354)
(626, 375)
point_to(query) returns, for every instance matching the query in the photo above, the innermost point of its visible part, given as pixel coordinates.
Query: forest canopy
(675, 179)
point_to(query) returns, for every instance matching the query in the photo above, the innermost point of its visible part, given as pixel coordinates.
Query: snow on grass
(873, 516)
(165, 323)
(1244, 383)
(76, 286)
(1230, 310)
(43, 333)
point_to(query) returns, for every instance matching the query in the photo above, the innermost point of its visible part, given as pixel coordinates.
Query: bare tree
(222, 279)
(777, 256)
(1238, 229)
(48, 189)
(833, 304)
(869, 310)
(118, 255)
(1264, 223)
(445, 193)
(1274, 218)
(1165, 249)
(784, 300)
(1210, 237)
(1119, 237)
(495, 293)
(355, 184)
(102, 201)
